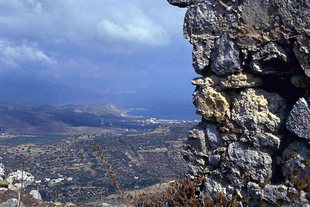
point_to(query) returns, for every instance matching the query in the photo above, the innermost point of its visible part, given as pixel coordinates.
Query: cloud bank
(110, 21)
(15, 56)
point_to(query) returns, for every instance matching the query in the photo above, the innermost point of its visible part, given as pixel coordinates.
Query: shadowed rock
(225, 56)
(252, 161)
(299, 119)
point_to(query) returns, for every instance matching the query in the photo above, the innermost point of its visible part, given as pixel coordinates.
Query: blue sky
(127, 52)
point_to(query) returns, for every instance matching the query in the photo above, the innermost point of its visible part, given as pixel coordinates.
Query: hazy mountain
(174, 105)
(32, 118)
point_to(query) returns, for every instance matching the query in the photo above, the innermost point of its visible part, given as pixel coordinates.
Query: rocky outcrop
(254, 99)
(15, 191)
(13, 202)
(20, 179)
(35, 194)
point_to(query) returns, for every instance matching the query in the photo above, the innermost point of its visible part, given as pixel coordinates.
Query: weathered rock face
(254, 99)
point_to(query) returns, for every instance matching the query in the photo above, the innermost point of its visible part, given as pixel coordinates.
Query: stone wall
(254, 98)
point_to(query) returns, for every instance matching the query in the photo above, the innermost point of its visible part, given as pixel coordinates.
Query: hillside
(69, 171)
(75, 119)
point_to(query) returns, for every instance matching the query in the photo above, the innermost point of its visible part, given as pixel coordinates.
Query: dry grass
(181, 193)
(100, 155)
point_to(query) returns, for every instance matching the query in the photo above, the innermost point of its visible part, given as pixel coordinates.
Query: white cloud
(82, 21)
(14, 55)
(132, 32)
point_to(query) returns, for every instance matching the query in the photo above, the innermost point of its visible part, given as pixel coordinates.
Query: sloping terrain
(76, 119)
(69, 171)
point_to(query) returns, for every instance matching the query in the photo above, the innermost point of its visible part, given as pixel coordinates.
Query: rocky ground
(15, 190)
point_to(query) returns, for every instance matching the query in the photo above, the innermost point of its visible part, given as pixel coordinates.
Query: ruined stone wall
(254, 98)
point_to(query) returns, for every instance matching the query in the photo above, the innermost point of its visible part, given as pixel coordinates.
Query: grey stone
(297, 198)
(296, 158)
(302, 52)
(229, 137)
(215, 187)
(252, 161)
(13, 202)
(201, 56)
(206, 21)
(213, 137)
(183, 3)
(105, 205)
(295, 15)
(35, 194)
(225, 56)
(214, 160)
(202, 25)
(300, 81)
(20, 179)
(301, 148)
(197, 139)
(269, 52)
(257, 24)
(273, 193)
(259, 139)
(253, 193)
(299, 119)
(195, 169)
(3, 189)
(236, 177)
(304, 200)
(2, 171)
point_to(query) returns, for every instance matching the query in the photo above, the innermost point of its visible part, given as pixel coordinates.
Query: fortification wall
(253, 95)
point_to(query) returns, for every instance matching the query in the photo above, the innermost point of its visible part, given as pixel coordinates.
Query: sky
(130, 53)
